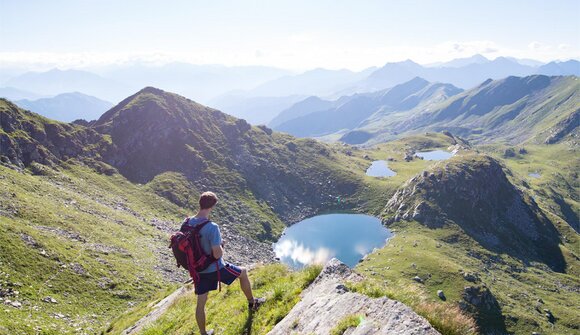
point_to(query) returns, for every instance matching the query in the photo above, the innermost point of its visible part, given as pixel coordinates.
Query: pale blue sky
(290, 34)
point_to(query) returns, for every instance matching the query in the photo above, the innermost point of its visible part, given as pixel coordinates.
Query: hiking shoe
(256, 303)
(209, 332)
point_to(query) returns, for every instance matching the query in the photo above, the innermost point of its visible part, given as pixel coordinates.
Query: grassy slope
(447, 252)
(100, 248)
(227, 311)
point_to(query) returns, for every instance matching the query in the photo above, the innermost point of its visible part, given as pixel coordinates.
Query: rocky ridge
(327, 301)
(474, 192)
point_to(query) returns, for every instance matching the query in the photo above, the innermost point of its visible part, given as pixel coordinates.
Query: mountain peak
(154, 131)
(151, 89)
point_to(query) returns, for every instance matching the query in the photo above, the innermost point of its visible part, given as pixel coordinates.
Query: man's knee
(201, 300)
(244, 272)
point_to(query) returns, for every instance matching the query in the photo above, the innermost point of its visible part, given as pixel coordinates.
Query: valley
(86, 209)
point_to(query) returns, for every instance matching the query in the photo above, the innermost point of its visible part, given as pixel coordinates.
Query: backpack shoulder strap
(201, 225)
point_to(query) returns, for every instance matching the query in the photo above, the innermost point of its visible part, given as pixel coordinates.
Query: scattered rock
(470, 277)
(550, 316)
(418, 279)
(340, 288)
(509, 152)
(31, 242)
(50, 300)
(441, 295)
(15, 304)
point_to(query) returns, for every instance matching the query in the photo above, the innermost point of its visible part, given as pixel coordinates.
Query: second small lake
(380, 169)
(434, 155)
(348, 237)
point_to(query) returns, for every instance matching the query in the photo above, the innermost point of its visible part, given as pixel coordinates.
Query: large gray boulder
(327, 301)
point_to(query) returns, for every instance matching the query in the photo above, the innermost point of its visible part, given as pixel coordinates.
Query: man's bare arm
(217, 251)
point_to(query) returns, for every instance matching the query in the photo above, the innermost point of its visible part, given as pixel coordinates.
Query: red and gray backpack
(188, 251)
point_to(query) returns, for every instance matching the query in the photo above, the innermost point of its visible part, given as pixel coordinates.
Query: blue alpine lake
(348, 237)
(434, 155)
(380, 169)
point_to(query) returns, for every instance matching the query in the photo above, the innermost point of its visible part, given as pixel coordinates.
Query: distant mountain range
(56, 82)
(463, 73)
(349, 112)
(514, 110)
(259, 93)
(14, 94)
(67, 107)
(263, 103)
(255, 110)
(113, 83)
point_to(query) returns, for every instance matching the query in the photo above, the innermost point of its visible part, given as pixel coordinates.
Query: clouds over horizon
(289, 34)
(303, 53)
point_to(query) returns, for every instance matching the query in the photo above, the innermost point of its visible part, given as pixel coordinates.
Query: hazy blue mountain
(56, 81)
(113, 83)
(571, 67)
(527, 61)
(466, 76)
(354, 110)
(14, 94)
(255, 110)
(390, 75)
(67, 107)
(198, 82)
(460, 62)
(309, 105)
(314, 82)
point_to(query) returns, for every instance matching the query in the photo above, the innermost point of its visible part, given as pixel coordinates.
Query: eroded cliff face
(328, 301)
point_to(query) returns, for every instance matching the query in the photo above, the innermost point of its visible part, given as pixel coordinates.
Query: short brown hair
(207, 200)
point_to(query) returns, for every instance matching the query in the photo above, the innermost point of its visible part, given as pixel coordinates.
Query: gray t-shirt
(210, 237)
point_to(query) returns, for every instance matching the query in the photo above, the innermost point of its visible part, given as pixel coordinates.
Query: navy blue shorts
(209, 281)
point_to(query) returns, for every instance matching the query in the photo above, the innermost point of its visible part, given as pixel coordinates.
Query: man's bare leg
(245, 285)
(200, 312)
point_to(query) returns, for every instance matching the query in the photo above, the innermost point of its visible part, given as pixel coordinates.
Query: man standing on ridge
(211, 241)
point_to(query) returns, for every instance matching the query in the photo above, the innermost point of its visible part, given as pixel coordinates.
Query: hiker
(211, 241)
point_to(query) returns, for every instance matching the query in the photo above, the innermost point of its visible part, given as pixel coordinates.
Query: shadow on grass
(248, 324)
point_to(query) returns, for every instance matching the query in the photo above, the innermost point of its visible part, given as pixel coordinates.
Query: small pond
(535, 174)
(434, 155)
(380, 169)
(348, 237)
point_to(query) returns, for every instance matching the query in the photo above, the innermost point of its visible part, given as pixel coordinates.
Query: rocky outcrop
(327, 301)
(568, 126)
(474, 192)
(481, 303)
(26, 137)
